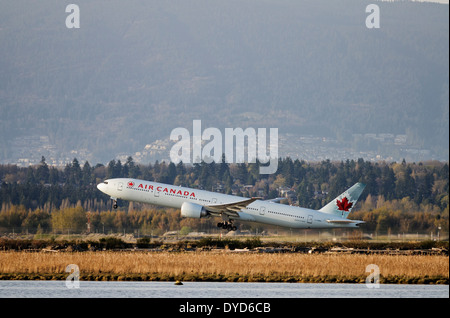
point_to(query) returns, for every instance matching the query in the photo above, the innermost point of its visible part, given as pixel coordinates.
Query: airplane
(195, 203)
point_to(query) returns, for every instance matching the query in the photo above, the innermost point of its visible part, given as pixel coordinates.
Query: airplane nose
(101, 186)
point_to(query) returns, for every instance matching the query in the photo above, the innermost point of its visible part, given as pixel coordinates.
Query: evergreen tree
(42, 172)
(387, 182)
(171, 173)
(87, 174)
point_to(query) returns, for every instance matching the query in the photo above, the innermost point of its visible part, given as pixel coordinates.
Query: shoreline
(434, 280)
(224, 266)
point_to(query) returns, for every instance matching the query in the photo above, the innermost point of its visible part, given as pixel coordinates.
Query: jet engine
(192, 210)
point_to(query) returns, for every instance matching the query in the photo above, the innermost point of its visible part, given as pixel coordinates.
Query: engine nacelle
(192, 210)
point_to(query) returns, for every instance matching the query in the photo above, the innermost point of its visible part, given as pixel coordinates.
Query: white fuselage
(258, 211)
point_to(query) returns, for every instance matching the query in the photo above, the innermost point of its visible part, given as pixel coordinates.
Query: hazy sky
(438, 1)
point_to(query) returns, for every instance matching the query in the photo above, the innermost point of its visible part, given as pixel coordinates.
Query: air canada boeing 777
(196, 203)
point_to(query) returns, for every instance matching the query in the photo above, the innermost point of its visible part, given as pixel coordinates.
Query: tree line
(400, 197)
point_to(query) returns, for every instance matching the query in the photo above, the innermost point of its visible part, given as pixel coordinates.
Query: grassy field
(224, 266)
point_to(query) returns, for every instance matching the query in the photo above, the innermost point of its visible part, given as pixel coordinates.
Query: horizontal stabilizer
(276, 200)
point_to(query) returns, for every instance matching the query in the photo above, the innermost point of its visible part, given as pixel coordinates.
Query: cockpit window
(105, 182)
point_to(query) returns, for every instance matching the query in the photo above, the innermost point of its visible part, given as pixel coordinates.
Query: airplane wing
(230, 209)
(347, 221)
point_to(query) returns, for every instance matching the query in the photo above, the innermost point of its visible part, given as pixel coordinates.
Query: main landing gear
(227, 226)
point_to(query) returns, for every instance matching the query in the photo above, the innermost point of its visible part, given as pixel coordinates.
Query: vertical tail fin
(344, 203)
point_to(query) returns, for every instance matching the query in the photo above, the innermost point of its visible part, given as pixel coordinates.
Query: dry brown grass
(226, 264)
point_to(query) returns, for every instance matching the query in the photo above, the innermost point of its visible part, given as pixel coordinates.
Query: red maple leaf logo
(131, 184)
(344, 205)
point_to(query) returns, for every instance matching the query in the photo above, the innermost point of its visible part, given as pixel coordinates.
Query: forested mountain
(135, 70)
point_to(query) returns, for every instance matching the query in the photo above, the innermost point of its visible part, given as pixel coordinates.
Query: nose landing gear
(114, 203)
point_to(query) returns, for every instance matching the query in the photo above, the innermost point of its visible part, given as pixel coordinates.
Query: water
(88, 289)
